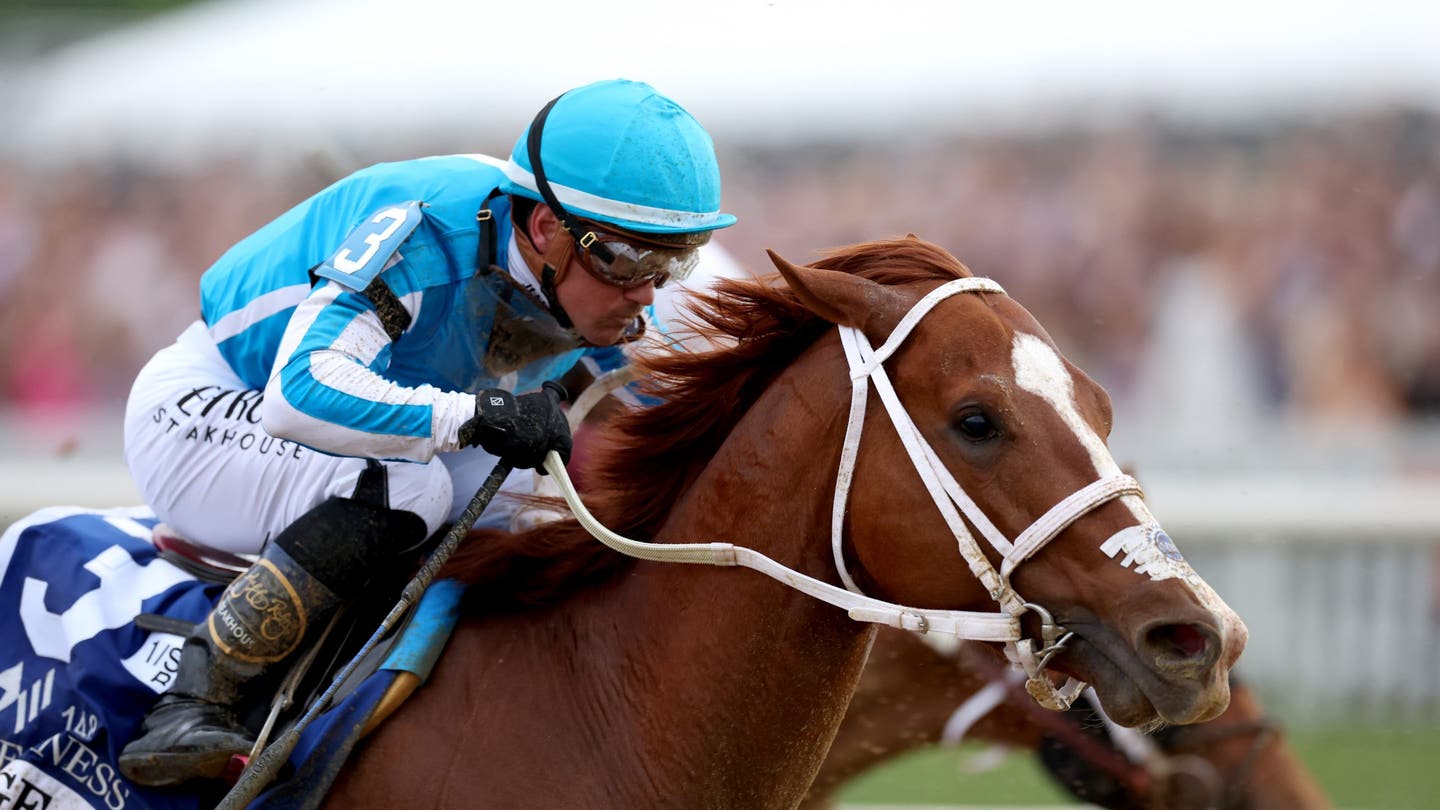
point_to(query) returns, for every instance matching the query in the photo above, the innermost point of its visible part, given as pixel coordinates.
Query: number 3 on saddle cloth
(77, 673)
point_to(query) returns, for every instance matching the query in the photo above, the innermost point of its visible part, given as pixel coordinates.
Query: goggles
(630, 266)
(606, 256)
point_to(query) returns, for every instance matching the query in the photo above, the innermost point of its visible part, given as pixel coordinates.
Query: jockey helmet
(618, 152)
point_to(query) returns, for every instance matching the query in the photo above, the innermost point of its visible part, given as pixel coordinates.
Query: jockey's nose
(643, 295)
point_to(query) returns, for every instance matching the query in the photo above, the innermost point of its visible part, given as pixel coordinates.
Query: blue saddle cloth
(77, 675)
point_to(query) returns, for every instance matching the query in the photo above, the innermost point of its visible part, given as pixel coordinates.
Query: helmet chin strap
(549, 267)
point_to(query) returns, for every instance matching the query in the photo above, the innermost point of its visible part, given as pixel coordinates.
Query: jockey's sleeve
(327, 392)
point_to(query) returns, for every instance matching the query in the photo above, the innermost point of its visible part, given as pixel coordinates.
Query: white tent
(247, 76)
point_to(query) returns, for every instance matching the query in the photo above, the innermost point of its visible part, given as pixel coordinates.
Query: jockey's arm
(327, 390)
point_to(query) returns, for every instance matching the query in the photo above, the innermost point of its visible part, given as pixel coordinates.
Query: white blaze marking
(1039, 370)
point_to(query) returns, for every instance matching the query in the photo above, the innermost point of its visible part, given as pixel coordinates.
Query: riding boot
(191, 733)
(319, 561)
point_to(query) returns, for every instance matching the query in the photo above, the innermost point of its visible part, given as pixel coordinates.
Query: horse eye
(976, 426)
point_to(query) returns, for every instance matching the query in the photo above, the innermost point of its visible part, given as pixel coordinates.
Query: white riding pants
(202, 461)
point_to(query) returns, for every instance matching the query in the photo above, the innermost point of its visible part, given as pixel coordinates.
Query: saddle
(410, 651)
(205, 564)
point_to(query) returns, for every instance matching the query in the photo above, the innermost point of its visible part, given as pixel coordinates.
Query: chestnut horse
(582, 679)
(913, 695)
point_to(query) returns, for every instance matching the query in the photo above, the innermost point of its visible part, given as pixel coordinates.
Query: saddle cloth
(77, 674)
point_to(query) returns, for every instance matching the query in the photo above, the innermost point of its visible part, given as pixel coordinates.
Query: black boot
(192, 733)
(320, 560)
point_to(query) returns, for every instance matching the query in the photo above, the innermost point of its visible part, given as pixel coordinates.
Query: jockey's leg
(322, 559)
(198, 451)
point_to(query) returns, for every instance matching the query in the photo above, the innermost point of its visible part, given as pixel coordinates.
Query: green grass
(1372, 769)
(939, 776)
(1393, 770)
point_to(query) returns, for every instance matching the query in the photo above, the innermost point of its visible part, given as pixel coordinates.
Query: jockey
(359, 355)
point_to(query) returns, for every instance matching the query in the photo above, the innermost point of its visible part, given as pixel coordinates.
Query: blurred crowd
(1323, 238)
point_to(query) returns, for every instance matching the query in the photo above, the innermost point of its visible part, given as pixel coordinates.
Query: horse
(580, 678)
(914, 694)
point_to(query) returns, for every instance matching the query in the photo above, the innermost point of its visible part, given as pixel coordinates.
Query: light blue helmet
(619, 152)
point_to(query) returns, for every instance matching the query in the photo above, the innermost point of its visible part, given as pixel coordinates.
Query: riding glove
(520, 430)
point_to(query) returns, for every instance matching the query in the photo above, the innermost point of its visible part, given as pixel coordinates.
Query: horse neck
(759, 673)
(904, 699)
(669, 685)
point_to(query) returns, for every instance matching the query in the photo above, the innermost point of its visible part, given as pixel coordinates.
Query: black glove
(520, 430)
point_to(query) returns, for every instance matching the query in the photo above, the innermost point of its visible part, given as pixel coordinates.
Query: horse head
(1011, 426)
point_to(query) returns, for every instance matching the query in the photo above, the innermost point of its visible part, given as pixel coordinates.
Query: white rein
(866, 366)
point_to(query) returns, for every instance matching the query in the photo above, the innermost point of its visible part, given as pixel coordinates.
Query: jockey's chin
(607, 332)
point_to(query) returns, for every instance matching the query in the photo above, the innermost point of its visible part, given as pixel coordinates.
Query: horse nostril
(1182, 640)
(1193, 647)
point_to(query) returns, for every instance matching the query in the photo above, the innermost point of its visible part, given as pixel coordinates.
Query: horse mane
(646, 458)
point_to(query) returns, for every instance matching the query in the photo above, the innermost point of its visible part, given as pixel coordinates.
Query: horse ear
(839, 298)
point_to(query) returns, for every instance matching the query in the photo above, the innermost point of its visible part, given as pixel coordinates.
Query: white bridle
(866, 366)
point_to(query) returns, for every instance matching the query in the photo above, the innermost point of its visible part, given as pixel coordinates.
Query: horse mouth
(1137, 694)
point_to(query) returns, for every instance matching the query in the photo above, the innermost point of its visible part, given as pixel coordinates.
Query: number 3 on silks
(370, 246)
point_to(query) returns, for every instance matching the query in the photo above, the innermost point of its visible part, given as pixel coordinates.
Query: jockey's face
(601, 312)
